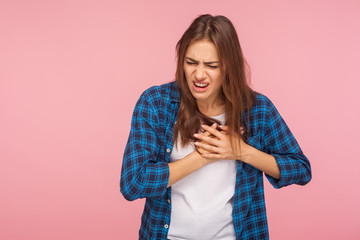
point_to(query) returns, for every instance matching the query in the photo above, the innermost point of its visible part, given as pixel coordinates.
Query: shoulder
(262, 103)
(161, 93)
(158, 98)
(260, 115)
(264, 112)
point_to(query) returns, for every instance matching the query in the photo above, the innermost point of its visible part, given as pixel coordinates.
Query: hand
(219, 147)
(200, 150)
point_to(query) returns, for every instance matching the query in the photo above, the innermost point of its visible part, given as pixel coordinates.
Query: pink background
(70, 75)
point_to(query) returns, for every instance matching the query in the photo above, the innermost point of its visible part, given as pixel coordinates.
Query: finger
(207, 147)
(217, 127)
(202, 151)
(206, 134)
(211, 140)
(224, 127)
(211, 156)
(213, 131)
(214, 125)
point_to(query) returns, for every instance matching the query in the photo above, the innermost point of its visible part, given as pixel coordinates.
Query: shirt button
(168, 150)
(168, 200)
(166, 226)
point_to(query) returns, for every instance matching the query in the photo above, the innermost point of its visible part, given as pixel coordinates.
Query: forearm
(262, 161)
(185, 166)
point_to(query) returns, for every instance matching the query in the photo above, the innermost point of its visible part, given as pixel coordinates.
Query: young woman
(199, 145)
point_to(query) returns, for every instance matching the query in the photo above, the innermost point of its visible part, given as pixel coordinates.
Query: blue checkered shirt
(145, 171)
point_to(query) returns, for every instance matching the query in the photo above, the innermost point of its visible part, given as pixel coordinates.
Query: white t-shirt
(202, 202)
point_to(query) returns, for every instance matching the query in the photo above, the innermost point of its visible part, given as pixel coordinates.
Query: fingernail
(196, 135)
(196, 143)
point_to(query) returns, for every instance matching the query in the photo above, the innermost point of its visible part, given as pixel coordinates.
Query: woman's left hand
(220, 147)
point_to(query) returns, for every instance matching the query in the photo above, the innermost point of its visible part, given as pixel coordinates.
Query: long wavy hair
(235, 90)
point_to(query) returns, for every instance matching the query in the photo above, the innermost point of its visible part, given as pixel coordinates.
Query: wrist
(246, 154)
(201, 161)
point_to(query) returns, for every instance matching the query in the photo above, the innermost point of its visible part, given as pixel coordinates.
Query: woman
(199, 145)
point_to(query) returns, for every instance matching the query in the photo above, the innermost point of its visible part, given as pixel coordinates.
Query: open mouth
(201, 85)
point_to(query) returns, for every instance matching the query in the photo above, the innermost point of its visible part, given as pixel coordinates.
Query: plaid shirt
(145, 171)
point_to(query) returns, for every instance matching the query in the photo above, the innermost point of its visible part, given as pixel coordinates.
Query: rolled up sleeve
(143, 174)
(294, 166)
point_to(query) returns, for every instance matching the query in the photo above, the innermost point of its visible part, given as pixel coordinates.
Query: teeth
(201, 84)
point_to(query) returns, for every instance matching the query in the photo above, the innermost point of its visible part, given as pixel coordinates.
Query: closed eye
(194, 63)
(214, 67)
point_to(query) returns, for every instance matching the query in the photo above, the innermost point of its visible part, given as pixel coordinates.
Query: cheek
(217, 78)
(187, 72)
(187, 77)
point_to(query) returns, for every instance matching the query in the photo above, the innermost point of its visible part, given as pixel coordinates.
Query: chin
(200, 97)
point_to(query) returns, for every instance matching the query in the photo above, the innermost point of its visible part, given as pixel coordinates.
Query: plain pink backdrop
(71, 72)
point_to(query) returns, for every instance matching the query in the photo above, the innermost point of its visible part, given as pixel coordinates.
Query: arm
(185, 166)
(143, 174)
(281, 159)
(280, 143)
(261, 160)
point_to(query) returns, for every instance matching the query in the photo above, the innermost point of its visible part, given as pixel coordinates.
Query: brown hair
(237, 94)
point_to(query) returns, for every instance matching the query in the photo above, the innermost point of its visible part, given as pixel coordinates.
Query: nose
(200, 73)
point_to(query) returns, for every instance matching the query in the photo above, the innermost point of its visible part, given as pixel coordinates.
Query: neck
(211, 109)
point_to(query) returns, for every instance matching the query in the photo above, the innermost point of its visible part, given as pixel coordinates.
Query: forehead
(202, 50)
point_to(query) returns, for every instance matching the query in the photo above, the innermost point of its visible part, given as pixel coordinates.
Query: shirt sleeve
(294, 166)
(143, 175)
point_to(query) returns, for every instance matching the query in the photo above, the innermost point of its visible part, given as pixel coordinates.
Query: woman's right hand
(201, 151)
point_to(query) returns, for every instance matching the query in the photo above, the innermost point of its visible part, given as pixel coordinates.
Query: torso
(202, 202)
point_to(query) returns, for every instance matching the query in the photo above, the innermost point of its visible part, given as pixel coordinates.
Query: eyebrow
(204, 62)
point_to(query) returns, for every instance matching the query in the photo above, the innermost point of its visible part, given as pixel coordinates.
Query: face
(202, 71)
